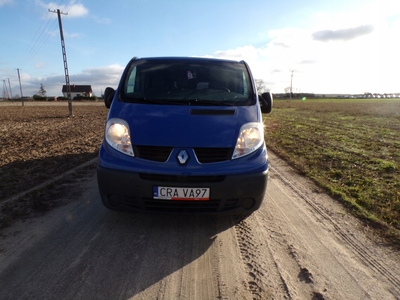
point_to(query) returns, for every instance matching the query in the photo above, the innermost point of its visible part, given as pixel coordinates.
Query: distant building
(78, 90)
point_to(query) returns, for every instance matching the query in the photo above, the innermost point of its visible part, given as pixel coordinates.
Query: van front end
(153, 187)
(184, 135)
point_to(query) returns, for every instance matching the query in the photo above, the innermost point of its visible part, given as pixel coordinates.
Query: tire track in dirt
(264, 280)
(248, 252)
(290, 250)
(325, 240)
(273, 272)
(302, 245)
(347, 238)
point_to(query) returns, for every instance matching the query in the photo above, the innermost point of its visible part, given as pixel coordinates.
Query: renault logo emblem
(182, 157)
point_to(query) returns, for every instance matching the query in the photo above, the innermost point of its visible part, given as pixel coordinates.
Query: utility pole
(20, 87)
(5, 91)
(65, 61)
(9, 85)
(291, 90)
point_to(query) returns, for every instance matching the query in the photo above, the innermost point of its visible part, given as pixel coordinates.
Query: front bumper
(231, 194)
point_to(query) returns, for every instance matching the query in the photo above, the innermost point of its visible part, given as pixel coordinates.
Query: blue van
(184, 135)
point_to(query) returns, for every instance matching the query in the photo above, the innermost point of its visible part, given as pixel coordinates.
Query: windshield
(193, 82)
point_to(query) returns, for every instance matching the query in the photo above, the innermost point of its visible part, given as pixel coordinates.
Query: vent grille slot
(212, 155)
(154, 153)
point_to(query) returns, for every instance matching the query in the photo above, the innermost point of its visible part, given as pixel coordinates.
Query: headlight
(117, 136)
(251, 137)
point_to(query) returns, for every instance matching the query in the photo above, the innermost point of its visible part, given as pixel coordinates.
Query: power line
(39, 37)
(39, 43)
(33, 41)
(70, 6)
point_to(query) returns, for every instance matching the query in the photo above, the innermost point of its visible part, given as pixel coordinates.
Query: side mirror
(266, 101)
(108, 96)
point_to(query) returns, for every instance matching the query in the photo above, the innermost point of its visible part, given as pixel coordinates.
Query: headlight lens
(251, 137)
(117, 136)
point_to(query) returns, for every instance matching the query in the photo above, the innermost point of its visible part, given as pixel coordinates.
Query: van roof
(186, 59)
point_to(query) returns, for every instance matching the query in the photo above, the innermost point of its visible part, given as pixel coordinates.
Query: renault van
(184, 135)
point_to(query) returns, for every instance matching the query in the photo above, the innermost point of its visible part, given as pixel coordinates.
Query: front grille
(133, 202)
(180, 179)
(212, 155)
(154, 153)
(231, 203)
(204, 155)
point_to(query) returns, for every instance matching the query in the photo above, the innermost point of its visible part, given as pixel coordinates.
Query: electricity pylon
(65, 60)
(20, 87)
(291, 89)
(5, 91)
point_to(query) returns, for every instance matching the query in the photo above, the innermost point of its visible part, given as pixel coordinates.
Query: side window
(130, 85)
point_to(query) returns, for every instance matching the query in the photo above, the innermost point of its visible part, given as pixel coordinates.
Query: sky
(330, 47)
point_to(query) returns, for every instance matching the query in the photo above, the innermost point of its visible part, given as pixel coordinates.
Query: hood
(184, 126)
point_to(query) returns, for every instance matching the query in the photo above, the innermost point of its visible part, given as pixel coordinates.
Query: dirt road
(300, 245)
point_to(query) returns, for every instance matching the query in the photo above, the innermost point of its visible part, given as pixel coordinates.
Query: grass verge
(351, 148)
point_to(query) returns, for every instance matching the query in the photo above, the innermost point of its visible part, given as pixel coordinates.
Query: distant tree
(261, 86)
(42, 91)
(39, 98)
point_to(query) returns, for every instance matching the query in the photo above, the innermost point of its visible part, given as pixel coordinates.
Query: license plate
(177, 193)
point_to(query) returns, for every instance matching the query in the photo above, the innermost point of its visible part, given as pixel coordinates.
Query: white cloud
(74, 11)
(99, 78)
(25, 77)
(356, 55)
(56, 33)
(248, 52)
(53, 33)
(72, 35)
(77, 10)
(344, 34)
(103, 21)
(382, 8)
(40, 65)
(345, 51)
(4, 2)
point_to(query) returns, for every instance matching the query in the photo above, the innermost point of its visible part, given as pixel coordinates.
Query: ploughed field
(39, 142)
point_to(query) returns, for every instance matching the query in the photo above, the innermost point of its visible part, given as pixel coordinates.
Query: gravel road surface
(301, 244)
